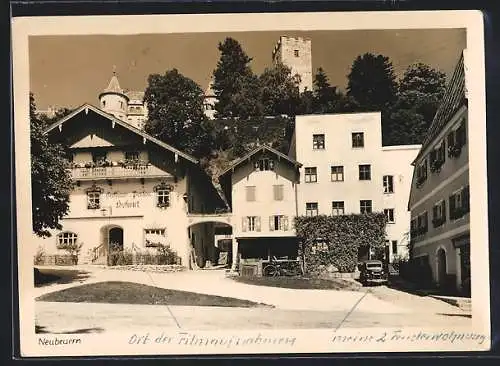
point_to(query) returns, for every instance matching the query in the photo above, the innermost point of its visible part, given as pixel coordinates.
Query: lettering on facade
(127, 204)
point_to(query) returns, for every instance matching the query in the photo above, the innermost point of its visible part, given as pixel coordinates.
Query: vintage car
(372, 272)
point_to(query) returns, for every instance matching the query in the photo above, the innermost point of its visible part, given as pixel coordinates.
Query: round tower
(113, 99)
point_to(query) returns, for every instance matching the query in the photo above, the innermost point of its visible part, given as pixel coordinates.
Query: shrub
(336, 240)
(164, 256)
(73, 250)
(39, 256)
(118, 256)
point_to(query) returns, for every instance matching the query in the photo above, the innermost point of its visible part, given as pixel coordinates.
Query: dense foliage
(51, 182)
(175, 107)
(336, 240)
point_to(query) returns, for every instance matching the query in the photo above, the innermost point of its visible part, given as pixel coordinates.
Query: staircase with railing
(99, 255)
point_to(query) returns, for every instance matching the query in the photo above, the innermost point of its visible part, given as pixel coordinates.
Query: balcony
(117, 172)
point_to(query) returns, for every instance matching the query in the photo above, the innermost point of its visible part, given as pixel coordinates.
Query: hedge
(335, 240)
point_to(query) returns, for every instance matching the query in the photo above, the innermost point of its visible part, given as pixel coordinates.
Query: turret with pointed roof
(113, 99)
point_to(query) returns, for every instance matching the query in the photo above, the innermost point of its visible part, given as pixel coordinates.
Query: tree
(372, 83)
(280, 90)
(175, 113)
(235, 85)
(420, 92)
(51, 182)
(326, 97)
(59, 114)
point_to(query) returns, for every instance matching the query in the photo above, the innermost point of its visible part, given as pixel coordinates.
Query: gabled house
(439, 198)
(261, 189)
(131, 191)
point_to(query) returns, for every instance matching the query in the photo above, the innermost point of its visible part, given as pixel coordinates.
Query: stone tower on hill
(295, 52)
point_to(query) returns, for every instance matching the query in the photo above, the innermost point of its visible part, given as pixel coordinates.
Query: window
(439, 214)
(337, 173)
(421, 173)
(98, 156)
(121, 104)
(296, 53)
(250, 193)
(251, 223)
(66, 239)
(358, 139)
(163, 195)
(318, 142)
(456, 140)
(459, 203)
(389, 214)
(154, 237)
(311, 175)
(394, 247)
(388, 184)
(312, 209)
(319, 246)
(365, 172)
(93, 200)
(104, 103)
(278, 192)
(365, 206)
(278, 223)
(437, 158)
(264, 164)
(132, 155)
(422, 224)
(337, 208)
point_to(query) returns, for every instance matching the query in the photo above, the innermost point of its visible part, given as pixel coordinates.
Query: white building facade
(346, 170)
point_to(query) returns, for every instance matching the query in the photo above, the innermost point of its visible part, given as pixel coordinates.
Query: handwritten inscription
(421, 336)
(192, 339)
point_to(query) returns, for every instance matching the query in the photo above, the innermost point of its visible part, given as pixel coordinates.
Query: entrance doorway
(115, 239)
(441, 270)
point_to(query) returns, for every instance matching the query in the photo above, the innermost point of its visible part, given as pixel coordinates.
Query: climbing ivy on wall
(335, 240)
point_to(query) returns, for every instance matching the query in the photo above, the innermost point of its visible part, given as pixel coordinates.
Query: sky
(68, 71)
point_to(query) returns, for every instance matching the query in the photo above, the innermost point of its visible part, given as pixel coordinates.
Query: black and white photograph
(251, 183)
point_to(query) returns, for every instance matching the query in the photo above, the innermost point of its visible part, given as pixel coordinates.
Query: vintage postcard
(251, 183)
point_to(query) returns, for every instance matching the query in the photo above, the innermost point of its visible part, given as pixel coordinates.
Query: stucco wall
(264, 206)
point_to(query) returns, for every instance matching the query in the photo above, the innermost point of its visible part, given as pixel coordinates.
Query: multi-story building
(439, 199)
(261, 190)
(296, 53)
(346, 170)
(131, 191)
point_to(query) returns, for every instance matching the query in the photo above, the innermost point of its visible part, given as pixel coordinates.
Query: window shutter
(443, 210)
(434, 212)
(285, 218)
(257, 223)
(244, 224)
(433, 155)
(452, 206)
(465, 199)
(271, 223)
(451, 141)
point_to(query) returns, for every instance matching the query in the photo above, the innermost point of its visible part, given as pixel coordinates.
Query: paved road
(379, 306)
(95, 318)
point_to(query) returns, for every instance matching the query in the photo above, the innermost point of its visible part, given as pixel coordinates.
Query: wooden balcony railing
(116, 172)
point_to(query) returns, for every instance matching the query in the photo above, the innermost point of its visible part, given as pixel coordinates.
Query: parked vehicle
(372, 272)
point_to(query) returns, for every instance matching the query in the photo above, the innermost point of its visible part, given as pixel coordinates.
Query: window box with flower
(436, 165)
(454, 151)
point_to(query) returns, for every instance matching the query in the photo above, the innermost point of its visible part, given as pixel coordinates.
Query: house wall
(453, 176)
(264, 206)
(130, 205)
(338, 151)
(397, 162)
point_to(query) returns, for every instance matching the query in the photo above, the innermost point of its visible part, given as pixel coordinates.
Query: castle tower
(295, 52)
(113, 99)
(209, 101)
